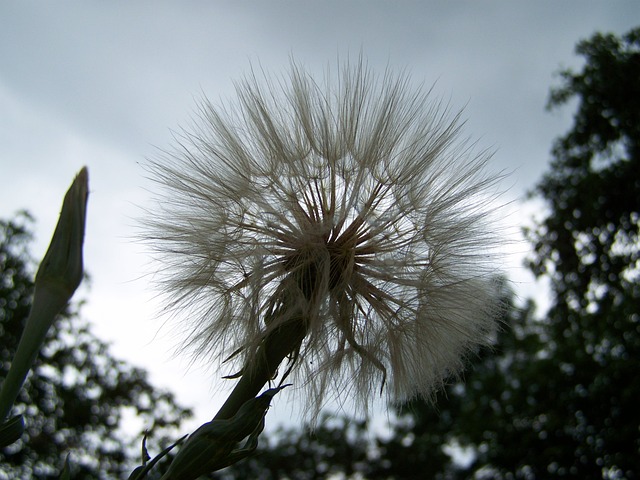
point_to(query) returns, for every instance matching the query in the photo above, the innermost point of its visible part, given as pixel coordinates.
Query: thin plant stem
(277, 345)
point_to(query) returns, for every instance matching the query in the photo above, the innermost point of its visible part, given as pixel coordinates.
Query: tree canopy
(78, 398)
(589, 247)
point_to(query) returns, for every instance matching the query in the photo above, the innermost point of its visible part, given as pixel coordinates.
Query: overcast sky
(102, 84)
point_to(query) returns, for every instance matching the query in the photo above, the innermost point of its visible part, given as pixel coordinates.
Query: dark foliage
(77, 397)
(589, 246)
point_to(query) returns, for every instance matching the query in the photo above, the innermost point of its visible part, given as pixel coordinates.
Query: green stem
(279, 343)
(58, 277)
(47, 302)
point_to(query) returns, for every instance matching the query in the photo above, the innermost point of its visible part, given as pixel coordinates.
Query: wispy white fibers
(348, 204)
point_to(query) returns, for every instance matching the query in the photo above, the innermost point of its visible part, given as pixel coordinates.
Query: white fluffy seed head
(351, 203)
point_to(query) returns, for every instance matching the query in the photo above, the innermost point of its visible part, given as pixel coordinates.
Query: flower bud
(58, 277)
(61, 267)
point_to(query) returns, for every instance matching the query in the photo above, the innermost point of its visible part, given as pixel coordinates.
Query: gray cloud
(101, 83)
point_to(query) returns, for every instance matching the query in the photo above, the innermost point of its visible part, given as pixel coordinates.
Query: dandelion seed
(343, 226)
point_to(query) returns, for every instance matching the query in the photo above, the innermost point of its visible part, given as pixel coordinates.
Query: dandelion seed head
(352, 206)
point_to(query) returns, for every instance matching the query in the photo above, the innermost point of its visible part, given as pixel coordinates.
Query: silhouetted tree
(589, 247)
(78, 398)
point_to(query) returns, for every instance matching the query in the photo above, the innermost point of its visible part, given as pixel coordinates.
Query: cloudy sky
(103, 83)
